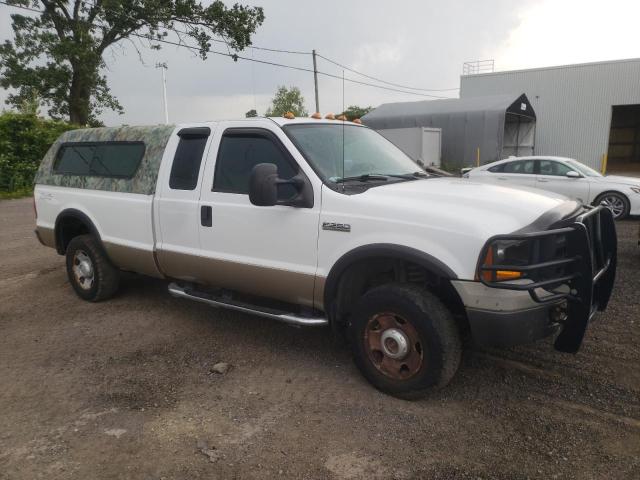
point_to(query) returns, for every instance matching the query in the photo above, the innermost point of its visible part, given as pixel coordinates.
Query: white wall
(572, 103)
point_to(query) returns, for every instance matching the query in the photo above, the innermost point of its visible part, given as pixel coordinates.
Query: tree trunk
(79, 96)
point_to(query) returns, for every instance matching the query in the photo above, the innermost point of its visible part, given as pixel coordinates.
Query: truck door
(177, 201)
(265, 251)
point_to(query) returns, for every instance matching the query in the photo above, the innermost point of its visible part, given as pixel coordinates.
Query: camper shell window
(99, 159)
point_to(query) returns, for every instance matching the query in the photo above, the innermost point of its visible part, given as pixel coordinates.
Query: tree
(251, 113)
(353, 112)
(58, 55)
(24, 139)
(287, 100)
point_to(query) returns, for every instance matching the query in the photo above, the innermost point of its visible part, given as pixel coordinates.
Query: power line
(282, 65)
(384, 81)
(237, 57)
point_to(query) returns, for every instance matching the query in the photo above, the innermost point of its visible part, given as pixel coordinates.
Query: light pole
(163, 66)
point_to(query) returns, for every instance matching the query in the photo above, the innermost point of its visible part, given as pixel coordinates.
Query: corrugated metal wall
(572, 103)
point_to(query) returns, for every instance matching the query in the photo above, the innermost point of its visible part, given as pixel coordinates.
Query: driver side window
(239, 152)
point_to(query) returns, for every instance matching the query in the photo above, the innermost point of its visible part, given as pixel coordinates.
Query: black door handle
(206, 216)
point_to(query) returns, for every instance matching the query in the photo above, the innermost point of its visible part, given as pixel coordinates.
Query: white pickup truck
(324, 222)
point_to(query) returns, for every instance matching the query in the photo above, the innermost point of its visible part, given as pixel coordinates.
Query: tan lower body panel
(132, 259)
(47, 236)
(292, 287)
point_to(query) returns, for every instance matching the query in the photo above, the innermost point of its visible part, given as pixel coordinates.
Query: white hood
(448, 219)
(484, 209)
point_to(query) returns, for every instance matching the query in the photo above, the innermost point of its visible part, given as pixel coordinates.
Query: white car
(567, 177)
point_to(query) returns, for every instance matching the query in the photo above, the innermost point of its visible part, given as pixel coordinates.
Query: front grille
(575, 263)
(578, 252)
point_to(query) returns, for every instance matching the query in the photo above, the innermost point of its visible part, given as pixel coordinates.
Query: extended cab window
(101, 159)
(186, 162)
(239, 152)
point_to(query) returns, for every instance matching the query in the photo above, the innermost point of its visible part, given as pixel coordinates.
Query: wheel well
(367, 273)
(70, 225)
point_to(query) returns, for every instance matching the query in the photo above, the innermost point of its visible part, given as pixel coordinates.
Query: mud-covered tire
(438, 345)
(90, 272)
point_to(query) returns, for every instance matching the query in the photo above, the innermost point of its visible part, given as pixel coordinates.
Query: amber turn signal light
(497, 275)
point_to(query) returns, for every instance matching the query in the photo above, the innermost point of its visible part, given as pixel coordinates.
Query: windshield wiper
(410, 176)
(367, 177)
(363, 178)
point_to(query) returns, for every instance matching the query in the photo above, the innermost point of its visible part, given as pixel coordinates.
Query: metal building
(485, 128)
(583, 111)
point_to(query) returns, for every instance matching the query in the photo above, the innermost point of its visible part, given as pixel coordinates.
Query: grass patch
(21, 192)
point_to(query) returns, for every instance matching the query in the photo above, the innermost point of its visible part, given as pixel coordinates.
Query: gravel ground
(124, 389)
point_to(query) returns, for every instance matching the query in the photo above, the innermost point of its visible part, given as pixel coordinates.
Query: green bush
(24, 139)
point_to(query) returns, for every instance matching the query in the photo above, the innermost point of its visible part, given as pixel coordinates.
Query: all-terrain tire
(86, 257)
(430, 328)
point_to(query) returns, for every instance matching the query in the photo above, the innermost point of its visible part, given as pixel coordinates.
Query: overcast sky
(416, 43)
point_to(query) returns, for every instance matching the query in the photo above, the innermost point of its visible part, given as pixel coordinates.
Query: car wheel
(404, 340)
(90, 272)
(616, 202)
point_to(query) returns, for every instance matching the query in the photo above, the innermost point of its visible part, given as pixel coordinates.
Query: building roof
(555, 67)
(406, 114)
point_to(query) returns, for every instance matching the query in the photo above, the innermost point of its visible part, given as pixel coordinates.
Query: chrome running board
(290, 318)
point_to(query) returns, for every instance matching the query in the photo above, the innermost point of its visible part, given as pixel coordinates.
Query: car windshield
(583, 169)
(368, 156)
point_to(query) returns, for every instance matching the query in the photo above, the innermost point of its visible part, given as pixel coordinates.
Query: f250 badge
(336, 227)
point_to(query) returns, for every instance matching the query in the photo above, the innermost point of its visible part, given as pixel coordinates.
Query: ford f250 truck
(324, 222)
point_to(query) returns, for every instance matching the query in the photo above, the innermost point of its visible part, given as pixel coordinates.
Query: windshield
(365, 152)
(583, 169)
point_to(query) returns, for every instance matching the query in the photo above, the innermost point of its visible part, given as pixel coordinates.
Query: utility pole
(315, 80)
(163, 66)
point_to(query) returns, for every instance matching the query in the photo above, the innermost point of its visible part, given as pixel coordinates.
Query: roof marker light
(316, 115)
(289, 116)
(358, 121)
(341, 118)
(330, 116)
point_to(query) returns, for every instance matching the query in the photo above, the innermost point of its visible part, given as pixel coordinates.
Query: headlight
(635, 189)
(508, 253)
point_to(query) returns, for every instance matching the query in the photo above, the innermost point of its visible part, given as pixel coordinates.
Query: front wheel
(404, 340)
(616, 202)
(90, 272)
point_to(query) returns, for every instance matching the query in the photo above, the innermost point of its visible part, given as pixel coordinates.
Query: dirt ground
(124, 389)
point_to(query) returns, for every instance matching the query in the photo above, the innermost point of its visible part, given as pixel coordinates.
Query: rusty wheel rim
(393, 346)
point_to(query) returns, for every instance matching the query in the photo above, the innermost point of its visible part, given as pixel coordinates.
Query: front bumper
(506, 329)
(574, 262)
(504, 318)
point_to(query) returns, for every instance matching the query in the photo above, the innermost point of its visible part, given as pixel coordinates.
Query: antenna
(253, 83)
(342, 128)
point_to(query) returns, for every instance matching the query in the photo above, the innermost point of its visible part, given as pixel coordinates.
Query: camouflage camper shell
(155, 139)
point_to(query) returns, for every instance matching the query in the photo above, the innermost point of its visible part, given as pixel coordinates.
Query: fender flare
(78, 215)
(386, 250)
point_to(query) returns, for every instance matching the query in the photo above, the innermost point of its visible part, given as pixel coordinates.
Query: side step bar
(290, 318)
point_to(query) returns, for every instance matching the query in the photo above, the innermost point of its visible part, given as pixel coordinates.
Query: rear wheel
(404, 340)
(90, 272)
(616, 202)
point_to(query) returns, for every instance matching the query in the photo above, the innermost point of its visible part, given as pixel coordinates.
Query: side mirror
(573, 174)
(263, 188)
